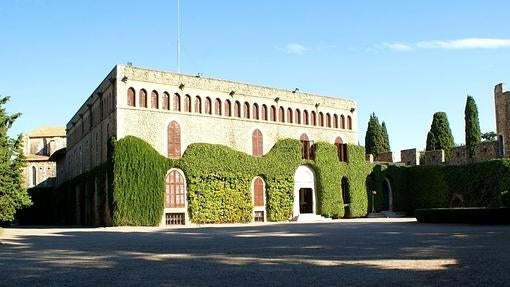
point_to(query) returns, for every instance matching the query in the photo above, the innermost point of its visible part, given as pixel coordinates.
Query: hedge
(464, 215)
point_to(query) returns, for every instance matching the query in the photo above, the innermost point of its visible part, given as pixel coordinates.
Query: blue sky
(403, 60)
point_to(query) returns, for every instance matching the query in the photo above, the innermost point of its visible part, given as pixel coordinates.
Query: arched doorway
(175, 207)
(304, 191)
(346, 196)
(387, 195)
(259, 199)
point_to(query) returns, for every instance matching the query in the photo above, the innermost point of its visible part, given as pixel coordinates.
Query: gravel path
(363, 252)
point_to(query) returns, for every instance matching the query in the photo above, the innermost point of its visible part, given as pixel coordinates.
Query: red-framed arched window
(198, 105)
(246, 110)
(281, 115)
(255, 112)
(306, 147)
(175, 192)
(166, 101)
(131, 97)
(341, 149)
(176, 101)
(328, 120)
(174, 140)
(349, 123)
(217, 107)
(335, 121)
(342, 121)
(237, 109)
(258, 192)
(321, 119)
(208, 106)
(297, 116)
(264, 113)
(154, 100)
(257, 143)
(143, 98)
(187, 103)
(228, 108)
(305, 117)
(273, 114)
(313, 118)
(289, 116)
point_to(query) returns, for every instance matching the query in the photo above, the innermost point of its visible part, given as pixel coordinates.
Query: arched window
(264, 113)
(237, 109)
(255, 113)
(273, 113)
(175, 192)
(257, 143)
(246, 110)
(258, 192)
(297, 116)
(341, 149)
(166, 101)
(281, 114)
(313, 119)
(328, 120)
(174, 140)
(187, 103)
(335, 121)
(176, 102)
(198, 105)
(208, 105)
(217, 107)
(131, 97)
(349, 123)
(289, 115)
(228, 108)
(306, 147)
(305, 117)
(321, 119)
(342, 122)
(34, 176)
(143, 98)
(154, 100)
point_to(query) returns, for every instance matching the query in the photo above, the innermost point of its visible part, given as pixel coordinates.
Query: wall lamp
(181, 86)
(232, 93)
(317, 105)
(295, 90)
(277, 99)
(124, 79)
(352, 110)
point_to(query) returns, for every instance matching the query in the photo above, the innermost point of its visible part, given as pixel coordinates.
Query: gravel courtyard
(361, 252)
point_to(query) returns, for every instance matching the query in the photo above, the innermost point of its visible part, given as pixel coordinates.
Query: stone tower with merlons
(502, 102)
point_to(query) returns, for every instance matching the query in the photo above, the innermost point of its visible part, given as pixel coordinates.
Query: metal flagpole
(178, 37)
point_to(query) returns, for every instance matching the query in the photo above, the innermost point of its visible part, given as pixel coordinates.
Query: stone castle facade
(171, 111)
(40, 147)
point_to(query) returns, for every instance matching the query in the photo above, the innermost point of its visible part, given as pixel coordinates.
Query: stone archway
(304, 191)
(387, 195)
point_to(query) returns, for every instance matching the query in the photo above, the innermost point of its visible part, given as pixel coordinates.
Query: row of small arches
(240, 110)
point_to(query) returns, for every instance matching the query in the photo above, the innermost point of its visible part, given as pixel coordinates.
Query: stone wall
(502, 106)
(410, 156)
(434, 157)
(384, 157)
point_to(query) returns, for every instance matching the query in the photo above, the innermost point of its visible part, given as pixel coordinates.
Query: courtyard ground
(361, 252)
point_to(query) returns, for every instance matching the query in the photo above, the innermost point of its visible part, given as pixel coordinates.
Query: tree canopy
(13, 195)
(376, 137)
(440, 135)
(472, 128)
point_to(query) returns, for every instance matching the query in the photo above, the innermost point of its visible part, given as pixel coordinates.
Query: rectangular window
(174, 219)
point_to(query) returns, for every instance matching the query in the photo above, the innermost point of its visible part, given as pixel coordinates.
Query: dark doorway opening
(346, 198)
(305, 200)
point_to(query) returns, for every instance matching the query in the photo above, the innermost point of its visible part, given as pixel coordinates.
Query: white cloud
(457, 44)
(397, 46)
(295, 49)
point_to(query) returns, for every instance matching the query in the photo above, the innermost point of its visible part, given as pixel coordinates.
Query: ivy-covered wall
(481, 184)
(219, 181)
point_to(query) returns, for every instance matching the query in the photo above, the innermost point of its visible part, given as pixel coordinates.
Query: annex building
(171, 111)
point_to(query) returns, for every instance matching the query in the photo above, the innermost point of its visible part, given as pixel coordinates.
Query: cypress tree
(386, 138)
(13, 195)
(440, 135)
(373, 137)
(472, 128)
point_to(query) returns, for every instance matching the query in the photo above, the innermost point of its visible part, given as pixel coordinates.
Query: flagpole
(178, 37)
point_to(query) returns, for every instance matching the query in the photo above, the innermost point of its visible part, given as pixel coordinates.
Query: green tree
(386, 138)
(472, 128)
(13, 195)
(440, 135)
(374, 139)
(489, 136)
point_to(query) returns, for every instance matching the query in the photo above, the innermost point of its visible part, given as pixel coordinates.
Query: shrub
(464, 215)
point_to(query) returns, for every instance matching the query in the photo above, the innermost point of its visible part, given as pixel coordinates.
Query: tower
(502, 108)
